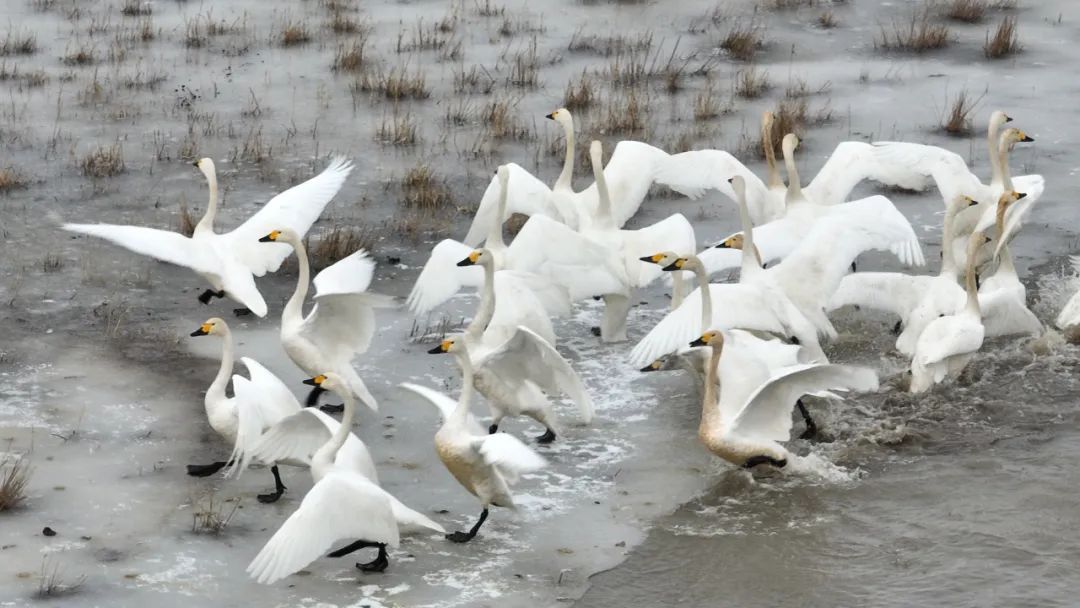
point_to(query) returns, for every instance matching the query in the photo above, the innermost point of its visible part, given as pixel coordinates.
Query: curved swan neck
(206, 224)
(495, 232)
(948, 260)
(794, 187)
(770, 153)
(486, 310)
(603, 209)
(710, 404)
(992, 142)
(294, 308)
(969, 278)
(461, 412)
(1005, 262)
(566, 177)
(1003, 161)
(328, 452)
(221, 380)
(703, 286)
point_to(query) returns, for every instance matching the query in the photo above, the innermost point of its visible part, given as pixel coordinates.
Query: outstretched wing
(767, 413)
(527, 356)
(341, 506)
(852, 162)
(261, 402)
(343, 320)
(163, 245)
(692, 173)
(441, 277)
(947, 169)
(552, 249)
(893, 292)
(525, 194)
(296, 208)
(629, 175)
(508, 454)
(445, 405)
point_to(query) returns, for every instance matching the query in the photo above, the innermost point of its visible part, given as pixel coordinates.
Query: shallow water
(961, 497)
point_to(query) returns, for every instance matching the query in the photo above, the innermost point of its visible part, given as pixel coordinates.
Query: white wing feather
(525, 194)
(441, 277)
(508, 454)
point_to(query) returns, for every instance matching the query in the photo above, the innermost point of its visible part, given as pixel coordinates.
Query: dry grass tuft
(580, 95)
(743, 41)
(1005, 40)
(14, 477)
(18, 43)
(431, 332)
(918, 35)
(210, 516)
(343, 23)
(340, 242)
(396, 84)
(12, 179)
(626, 114)
(610, 45)
(706, 104)
(82, 55)
(792, 115)
(185, 221)
(958, 119)
(422, 188)
(51, 582)
(499, 117)
(525, 67)
(474, 80)
(968, 11)
(827, 20)
(487, 9)
(399, 130)
(294, 33)
(105, 161)
(29, 80)
(135, 8)
(350, 58)
(751, 83)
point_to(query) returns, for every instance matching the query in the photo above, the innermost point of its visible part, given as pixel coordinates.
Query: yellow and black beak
(196, 163)
(1020, 195)
(471, 260)
(724, 244)
(1024, 137)
(653, 367)
(1008, 118)
(204, 330)
(316, 381)
(443, 347)
(273, 236)
(699, 342)
(550, 116)
(676, 265)
(652, 259)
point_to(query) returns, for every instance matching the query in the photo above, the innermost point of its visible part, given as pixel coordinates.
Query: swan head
(328, 381)
(561, 116)
(214, 326)
(668, 260)
(712, 338)
(478, 256)
(738, 184)
(734, 241)
(998, 118)
(276, 236)
(205, 165)
(790, 142)
(662, 364)
(449, 345)
(1015, 136)
(1010, 197)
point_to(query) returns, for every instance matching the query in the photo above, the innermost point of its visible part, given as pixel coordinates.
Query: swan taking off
(339, 326)
(343, 503)
(257, 404)
(230, 262)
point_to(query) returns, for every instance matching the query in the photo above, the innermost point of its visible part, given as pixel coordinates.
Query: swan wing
(525, 194)
(852, 162)
(296, 437)
(517, 304)
(550, 248)
(163, 245)
(733, 306)
(948, 169)
(410, 521)
(444, 404)
(692, 173)
(441, 277)
(261, 402)
(629, 175)
(1004, 314)
(296, 208)
(947, 336)
(767, 412)
(1033, 186)
(342, 322)
(508, 454)
(341, 506)
(893, 292)
(1070, 313)
(552, 295)
(527, 356)
(774, 240)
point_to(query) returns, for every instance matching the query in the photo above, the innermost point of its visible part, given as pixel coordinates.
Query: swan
(514, 372)
(629, 173)
(1069, 317)
(916, 299)
(484, 464)
(229, 262)
(345, 502)
(257, 403)
(339, 326)
(552, 258)
(949, 342)
(749, 418)
(628, 246)
(1002, 297)
(1009, 224)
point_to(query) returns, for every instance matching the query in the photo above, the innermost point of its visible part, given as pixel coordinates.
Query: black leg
(378, 564)
(898, 328)
(811, 428)
(349, 548)
(313, 396)
(279, 488)
(853, 266)
(753, 461)
(493, 429)
(547, 437)
(464, 537)
(596, 331)
(333, 409)
(205, 470)
(205, 296)
(241, 312)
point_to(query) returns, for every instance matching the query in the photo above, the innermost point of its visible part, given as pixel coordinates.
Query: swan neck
(495, 232)
(1003, 164)
(486, 311)
(770, 156)
(1005, 262)
(794, 188)
(706, 294)
(206, 224)
(604, 197)
(751, 256)
(216, 392)
(969, 277)
(948, 260)
(710, 404)
(566, 177)
(294, 307)
(327, 454)
(995, 162)
(461, 412)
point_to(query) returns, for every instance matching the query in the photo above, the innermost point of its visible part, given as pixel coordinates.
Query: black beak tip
(647, 258)
(1008, 118)
(1021, 195)
(670, 267)
(265, 239)
(550, 116)
(731, 180)
(1028, 138)
(465, 262)
(698, 342)
(195, 164)
(436, 351)
(310, 382)
(197, 333)
(648, 368)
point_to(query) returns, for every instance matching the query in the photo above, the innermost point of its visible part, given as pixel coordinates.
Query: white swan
(339, 326)
(544, 251)
(628, 246)
(629, 173)
(258, 403)
(749, 418)
(345, 502)
(229, 262)
(949, 342)
(484, 464)
(1002, 297)
(1009, 224)
(514, 372)
(916, 299)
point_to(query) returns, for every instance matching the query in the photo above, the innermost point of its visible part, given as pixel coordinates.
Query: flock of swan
(752, 347)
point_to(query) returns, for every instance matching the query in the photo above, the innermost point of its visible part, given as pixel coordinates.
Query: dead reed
(580, 95)
(742, 41)
(12, 179)
(293, 32)
(340, 242)
(397, 130)
(104, 161)
(917, 35)
(967, 11)
(1004, 42)
(751, 83)
(350, 57)
(14, 477)
(423, 189)
(398, 83)
(958, 118)
(18, 43)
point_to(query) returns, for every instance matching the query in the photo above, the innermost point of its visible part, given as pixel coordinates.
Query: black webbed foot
(333, 409)
(459, 537)
(595, 331)
(378, 564)
(547, 437)
(493, 429)
(754, 461)
(205, 296)
(279, 488)
(811, 427)
(205, 470)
